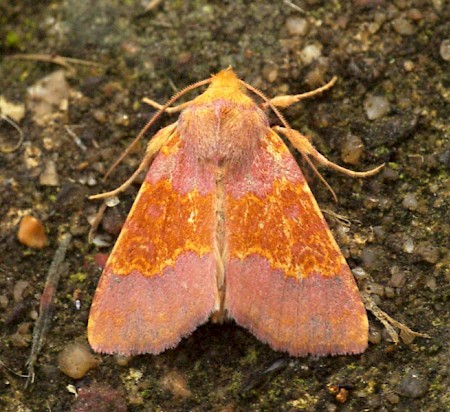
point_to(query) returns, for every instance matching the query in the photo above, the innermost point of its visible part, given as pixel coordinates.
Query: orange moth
(225, 226)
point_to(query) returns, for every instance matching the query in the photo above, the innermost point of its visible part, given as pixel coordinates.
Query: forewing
(286, 279)
(159, 282)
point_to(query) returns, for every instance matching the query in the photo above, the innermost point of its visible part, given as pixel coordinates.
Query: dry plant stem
(294, 6)
(19, 130)
(406, 334)
(344, 220)
(66, 62)
(47, 304)
(96, 222)
(152, 4)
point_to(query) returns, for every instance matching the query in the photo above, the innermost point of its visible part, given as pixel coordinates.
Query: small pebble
(19, 289)
(49, 176)
(130, 48)
(122, 360)
(100, 116)
(413, 385)
(352, 149)
(438, 5)
(177, 384)
(392, 398)
(415, 14)
(22, 338)
(390, 174)
(410, 201)
(112, 201)
(316, 77)
(15, 111)
(374, 335)
(376, 107)
(297, 26)
(113, 221)
(311, 53)
(48, 95)
(184, 58)
(431, 284)
(379, 232)
(100, 398)
(101, 241)
(374, 288)
(428, 252)
(342, 396)
(408, 245)
(122, 119)
(32, 233)
(373, 402)
(76, 359)
(270, 72)
(389, 292)
(444, 50)
(4, 301)
(403, 26)
(371, 257)
(398, 278)
(359, 273)
(408, 65)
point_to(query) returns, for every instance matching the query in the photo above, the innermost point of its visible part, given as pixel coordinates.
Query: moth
(225, 226)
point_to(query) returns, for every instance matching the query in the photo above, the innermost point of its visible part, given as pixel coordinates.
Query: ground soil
(398, 226)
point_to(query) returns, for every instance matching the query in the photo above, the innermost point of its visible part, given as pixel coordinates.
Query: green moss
(78, 277)
(251, 357)
(393, 165)
(12, 39)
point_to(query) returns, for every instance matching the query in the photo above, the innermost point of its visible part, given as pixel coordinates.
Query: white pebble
(297, 26)
(444, 50)
(49, 176)
(410, 201)
(408, 245)
(310, 53)
(112, 201)
(376, 107)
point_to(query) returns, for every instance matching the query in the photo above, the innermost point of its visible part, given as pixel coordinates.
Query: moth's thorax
(224, 130)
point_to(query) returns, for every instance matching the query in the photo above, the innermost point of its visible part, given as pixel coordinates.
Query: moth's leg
(288, 100)
(153, 147)
(304, 146)
(169, 110)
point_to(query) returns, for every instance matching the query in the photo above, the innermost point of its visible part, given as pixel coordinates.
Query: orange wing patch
(303, 297)
(159, 283)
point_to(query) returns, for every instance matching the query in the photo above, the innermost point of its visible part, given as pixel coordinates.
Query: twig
(294, 6)
(66, 62)
(75, 138)
(152, 4)
(16, 126)
(47, 304)
(406, 334)
(96, 222)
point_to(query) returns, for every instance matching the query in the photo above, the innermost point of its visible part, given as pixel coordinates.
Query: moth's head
(226, 79)
(225, 85)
